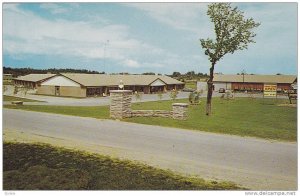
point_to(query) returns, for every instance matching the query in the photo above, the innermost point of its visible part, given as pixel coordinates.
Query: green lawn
(241, 116)
(260, 118)
(83, 111)
(7, 82)
(191, 84)
(12, 98)
(43, 167)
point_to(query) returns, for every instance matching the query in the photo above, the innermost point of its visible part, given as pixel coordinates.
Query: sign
(121, 84)
(270, 90)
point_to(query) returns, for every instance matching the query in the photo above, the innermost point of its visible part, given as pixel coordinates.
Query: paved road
(252, 163)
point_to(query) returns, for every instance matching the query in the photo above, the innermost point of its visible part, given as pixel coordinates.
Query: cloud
(27, 33)
(11, 7)
(138, 64)
(178, 49)
(275, 49)
(131, 63)
(181, 16)
(54, 8)
(276, 40)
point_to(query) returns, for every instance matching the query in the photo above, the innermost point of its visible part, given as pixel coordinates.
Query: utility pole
(243, 73)
(104, 55)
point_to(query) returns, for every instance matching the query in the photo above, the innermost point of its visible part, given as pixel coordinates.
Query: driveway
(99, 101)
(252, 163)
(91, 101)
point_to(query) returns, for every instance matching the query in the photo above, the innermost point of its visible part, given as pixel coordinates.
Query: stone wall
(120, 107)
(151, 113)
(179, 111)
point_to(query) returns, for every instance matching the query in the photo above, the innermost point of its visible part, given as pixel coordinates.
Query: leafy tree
(194, 97)
(233, 32)
(200, 74)
(190, 73)
(197, 97)
(24, 71)
(148, 73)
(176, 74)
(191, 97)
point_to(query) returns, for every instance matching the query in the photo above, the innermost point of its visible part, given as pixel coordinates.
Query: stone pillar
(120, 103)
(179, 111)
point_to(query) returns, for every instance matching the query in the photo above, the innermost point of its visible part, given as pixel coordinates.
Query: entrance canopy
(158, 82)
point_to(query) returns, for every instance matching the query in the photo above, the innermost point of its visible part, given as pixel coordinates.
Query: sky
(142, 37)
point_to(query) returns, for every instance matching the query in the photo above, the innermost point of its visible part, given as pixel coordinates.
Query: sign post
(270, 90)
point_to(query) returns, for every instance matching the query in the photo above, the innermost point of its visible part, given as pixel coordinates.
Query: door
(57, 89)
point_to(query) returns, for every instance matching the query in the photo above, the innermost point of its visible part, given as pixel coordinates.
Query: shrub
(173, 94)
(228, 95)
(191, 97)
(194, 97)
(138, 96)
(16, 90)
(160, 95)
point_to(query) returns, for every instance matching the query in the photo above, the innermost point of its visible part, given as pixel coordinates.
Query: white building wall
(158, 82)
(225, 85)
(201, 86)
(60, 81)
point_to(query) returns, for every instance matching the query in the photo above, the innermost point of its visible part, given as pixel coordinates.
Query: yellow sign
(270, 90)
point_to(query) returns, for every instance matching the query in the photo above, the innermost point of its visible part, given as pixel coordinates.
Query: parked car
(188, 90)
(222, 90)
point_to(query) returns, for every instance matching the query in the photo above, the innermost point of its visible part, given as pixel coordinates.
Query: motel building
(90, 85)
(250, 82)
(31, 81)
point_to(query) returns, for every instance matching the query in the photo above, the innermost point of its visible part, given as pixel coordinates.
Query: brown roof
(289, 79)
(34, 77)
(114, 80)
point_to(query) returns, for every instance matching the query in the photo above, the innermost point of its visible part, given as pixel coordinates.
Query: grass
(12, 98)
(44, 167)
(101, 112)
(8, 82)
(260, 118)
(191, 84)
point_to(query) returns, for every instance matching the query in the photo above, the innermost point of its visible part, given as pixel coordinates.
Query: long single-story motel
(87, 85)
(250, 82)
